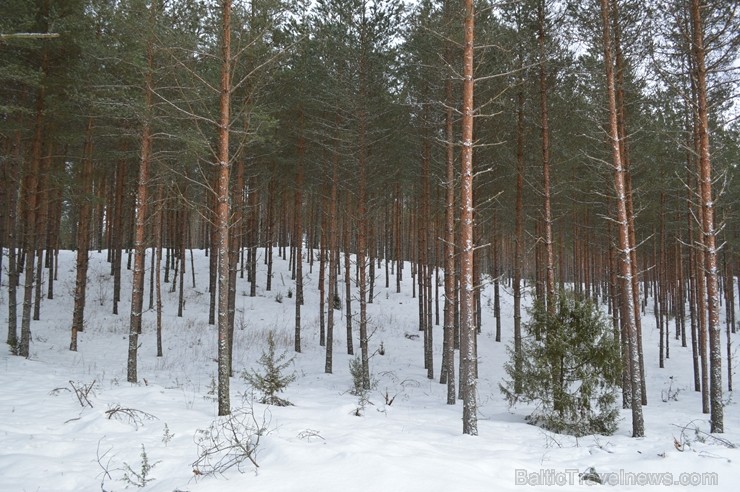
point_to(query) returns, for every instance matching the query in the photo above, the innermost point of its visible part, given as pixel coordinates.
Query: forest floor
(52, 441)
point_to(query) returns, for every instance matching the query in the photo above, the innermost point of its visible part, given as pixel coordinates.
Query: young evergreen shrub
(570, 368)
(360, 385)
(272, 379)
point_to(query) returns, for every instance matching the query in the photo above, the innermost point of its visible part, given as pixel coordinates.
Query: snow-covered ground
(50, 442)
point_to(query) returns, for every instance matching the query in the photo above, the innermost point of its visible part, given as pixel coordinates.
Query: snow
(49, 442)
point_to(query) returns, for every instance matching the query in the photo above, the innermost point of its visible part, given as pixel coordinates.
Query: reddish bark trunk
(83, 238)
(624, 246)
(222, 215)
(708, 229)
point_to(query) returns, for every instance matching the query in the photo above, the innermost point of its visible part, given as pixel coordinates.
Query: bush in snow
(272, 379)
(142, 476)
(230, 441)
(570, 368)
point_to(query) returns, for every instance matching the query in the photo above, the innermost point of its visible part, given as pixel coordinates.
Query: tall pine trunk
(468, 380)
(708, 230)
(222, 215)
(83, 238)
(545, 130)
(624, 246)
(30, 189)
(12, 206)
(137, 289)
(519, 240)
(298, 240)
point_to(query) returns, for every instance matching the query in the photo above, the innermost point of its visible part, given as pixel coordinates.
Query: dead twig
(131, 415)
(82, 391)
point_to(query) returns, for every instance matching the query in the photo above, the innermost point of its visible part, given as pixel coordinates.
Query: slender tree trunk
(729, 316)
(496, 287)
(638, 426)
(83, 238)
(519, 238)
(468, 380)
(545, 122)
(708, 229)
(397, 221)
(448, 349)
(31, 198)
(298, 240)
(348, 282)
(41, 228)
(254, 208)
(137, 292)
(158, 266)
(270, 232)
(222, 214)
(322, 285)
(622, 131)
(55, 225)
(213, 259)
(425, 224)
(237, 200)
(12, 206)
(117, 233)
(333, 266)
(182, 240)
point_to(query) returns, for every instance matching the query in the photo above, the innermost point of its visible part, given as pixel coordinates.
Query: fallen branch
(83, 391)
(130, 415)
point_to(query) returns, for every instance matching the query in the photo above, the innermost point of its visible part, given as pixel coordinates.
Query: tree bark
(333, 266)
(117, 233)
(448, 348)
(519, 238)
(158, 265)
(222, 215)
(30, 189)
(708, 230)
(12, 206)
(545, 129)
(468, 380)
(298, 240)
(624, 246)
(83, 238)
(137, 292)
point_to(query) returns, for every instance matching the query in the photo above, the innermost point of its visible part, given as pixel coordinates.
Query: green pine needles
(570, 368)
(273, 378)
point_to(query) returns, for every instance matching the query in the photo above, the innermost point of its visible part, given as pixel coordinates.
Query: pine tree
(583, 400)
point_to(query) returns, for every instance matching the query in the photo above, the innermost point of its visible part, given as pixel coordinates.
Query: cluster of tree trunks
(438, 220)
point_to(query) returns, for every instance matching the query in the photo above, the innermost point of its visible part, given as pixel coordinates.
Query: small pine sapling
(360, 388)
(570, 368)
(141, 477)
(167, 435)
(273, 378)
